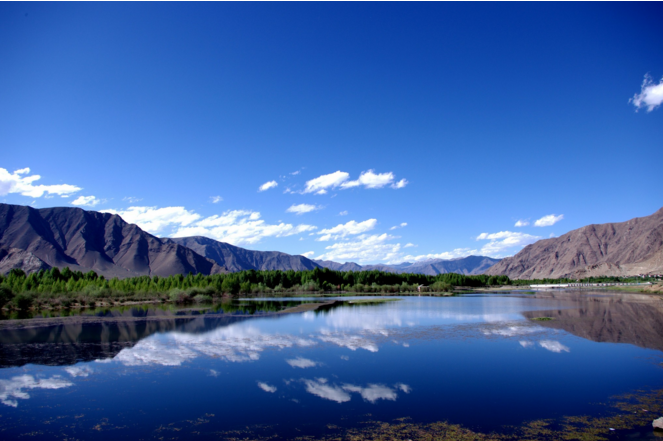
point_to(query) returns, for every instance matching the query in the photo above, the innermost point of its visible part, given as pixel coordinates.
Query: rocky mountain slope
(33, 239)
(612, 249)
(470, 265)
(238, 259)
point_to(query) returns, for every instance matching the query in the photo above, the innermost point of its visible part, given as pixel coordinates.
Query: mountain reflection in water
(432, 359)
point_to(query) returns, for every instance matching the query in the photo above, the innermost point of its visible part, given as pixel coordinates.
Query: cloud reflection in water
(15, 388)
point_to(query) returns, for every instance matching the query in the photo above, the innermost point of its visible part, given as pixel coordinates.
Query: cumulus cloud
(370, 179)
(650, 96)
(548, 220)
(131, 199)
(409, 245)
(343, 213)
(365, 248)
(404, 224)
(400, 184)
(156, 220)
(553, 346)
(215, 199)
(350, 228)
(340, 179)
(321, 184)
(521, 223)
(21, 182)
(213, 373)
(302, 363)
(268, 185)
(303, 208)
(266, 387)
(404, 387)
(240, 227)
(86, 201)
(308, 254)
(446, 255)
(504, 241)
(526, 344)
(16, 388)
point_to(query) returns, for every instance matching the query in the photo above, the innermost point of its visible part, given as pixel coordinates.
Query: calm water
(475, 360)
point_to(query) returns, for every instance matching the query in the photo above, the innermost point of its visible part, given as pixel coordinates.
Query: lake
(475, 366)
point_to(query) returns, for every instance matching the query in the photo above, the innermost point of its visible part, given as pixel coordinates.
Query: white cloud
(15, 388)
(364, 249)
(521, 223)
(156, 220)
(447, 255)
(503, 242)
(237, 227)
(302, 363)
(20, 182)
(400, 184)
(266, 387)
(370, 179)
(350, 228)
(215, 199)
(86, 201)
(373, 392)
(343, 213)
(320, 388)
(409, 245)
(339, 179)
(240, 227)
(554, 346)
(213, 373)
(320, 184)
(526, 344)
(268, 185)
(308, 254)
(404, 224)
(131, 199)
(79, 371)
(303, 208)
(548, 220)
(650, 96)
(295, 173)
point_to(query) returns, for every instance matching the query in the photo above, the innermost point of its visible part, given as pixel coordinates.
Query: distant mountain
(613, 249)
(470, 265)
(34, 239)
(239, 259)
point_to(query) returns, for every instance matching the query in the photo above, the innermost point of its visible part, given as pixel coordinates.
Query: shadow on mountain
(614, 318)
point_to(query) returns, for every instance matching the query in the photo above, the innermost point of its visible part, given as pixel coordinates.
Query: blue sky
(388, 131)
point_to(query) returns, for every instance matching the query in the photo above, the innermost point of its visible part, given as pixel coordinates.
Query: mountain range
(33, 239)
(470, 265)
(612, 249)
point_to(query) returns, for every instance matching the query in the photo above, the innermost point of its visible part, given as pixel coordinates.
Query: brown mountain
(613, 249)
(239, 259)
(635, 319)
(33, 239)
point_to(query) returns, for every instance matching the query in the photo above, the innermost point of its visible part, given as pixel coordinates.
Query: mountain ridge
(611, 249)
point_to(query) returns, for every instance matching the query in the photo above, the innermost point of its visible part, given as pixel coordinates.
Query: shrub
(6, 295)
(202, 298)
(23, 301)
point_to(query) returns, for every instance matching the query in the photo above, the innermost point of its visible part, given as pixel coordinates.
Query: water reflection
(372, 392)
(15, 388)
